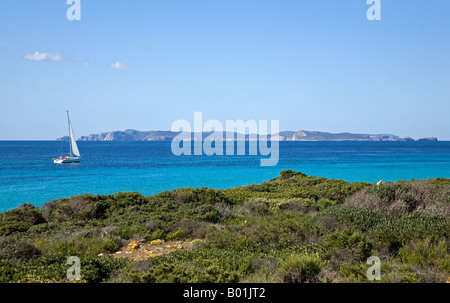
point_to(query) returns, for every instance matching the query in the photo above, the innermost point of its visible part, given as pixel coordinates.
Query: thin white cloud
(119, 65)
(85, 64)
(38, 56)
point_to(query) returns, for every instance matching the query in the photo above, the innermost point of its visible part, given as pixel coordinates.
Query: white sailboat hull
(62, 160)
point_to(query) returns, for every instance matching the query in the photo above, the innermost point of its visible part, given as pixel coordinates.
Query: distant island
(301, 135)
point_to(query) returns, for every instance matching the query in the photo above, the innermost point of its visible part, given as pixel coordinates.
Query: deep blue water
(27, 174)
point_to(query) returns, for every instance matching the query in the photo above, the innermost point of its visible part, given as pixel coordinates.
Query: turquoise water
(27, 174)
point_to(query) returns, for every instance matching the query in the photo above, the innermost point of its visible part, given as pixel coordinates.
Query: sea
(28, 174)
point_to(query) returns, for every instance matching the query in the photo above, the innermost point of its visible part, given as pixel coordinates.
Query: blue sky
(313, 65)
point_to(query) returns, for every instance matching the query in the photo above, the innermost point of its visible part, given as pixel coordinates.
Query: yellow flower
(157, 241)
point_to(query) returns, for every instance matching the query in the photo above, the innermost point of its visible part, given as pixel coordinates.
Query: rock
(134, 245)
(380, 182)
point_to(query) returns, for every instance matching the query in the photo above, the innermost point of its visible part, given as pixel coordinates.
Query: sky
(142, 64)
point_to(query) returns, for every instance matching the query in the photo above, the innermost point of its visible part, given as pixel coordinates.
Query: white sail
(74, 156)
(73, 142)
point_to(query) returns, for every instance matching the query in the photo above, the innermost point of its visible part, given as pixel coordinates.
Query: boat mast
(70, 141)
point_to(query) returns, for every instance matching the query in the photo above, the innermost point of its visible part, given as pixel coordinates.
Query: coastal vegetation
(294, 228)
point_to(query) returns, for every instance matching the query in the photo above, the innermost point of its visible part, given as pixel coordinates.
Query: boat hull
(67, 160)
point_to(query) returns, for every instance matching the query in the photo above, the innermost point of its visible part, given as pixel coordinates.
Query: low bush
(350, 241)
(400, 198)
(294, 228)
(17, 249)
(427, 252)
(74, 208)
(416, 225)
(26, 213)
(296, 206)
(79, 245)
(300, 268)
(176, 235)
(339, 217)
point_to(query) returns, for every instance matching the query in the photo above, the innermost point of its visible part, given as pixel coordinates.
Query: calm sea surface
(27, 174)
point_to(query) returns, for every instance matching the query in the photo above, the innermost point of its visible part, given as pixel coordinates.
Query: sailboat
(74, 156)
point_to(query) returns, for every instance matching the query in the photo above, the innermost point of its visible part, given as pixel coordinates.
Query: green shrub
(385, 191)
(79, 246)
(300, 268)
(427, 252)
(415, 225)
(176, 235)
(286, 174)
(99, 269)
(185, 273)
(323, 204)
(193, 229)
(222, 239)
(157, 234)
(129, 231)
(350, 241)
(20, 219)
(10, 228)
(252, 209)
(110, 245)
(26, 213)
(339, 217)
(211, 216)
(309, 208)
(17, 249)
(73, 208)
(352, 272)
(277, 231)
